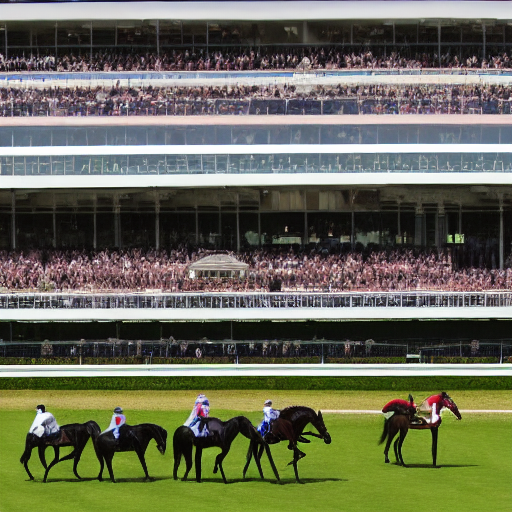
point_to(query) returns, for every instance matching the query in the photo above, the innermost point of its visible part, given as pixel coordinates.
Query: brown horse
(222, 435)
(401, 423)
(74, 434)
(290, 427)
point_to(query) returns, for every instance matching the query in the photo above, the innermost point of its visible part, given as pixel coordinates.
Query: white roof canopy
(259, 11)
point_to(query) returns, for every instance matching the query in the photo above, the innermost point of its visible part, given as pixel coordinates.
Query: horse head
(447, 402)
(322, 429)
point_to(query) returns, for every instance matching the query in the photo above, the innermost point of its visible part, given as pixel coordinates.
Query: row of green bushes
(241, 360)
(402, 384)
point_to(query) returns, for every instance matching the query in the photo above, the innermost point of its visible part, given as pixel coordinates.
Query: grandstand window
(103, 34)
(427, 32)
(170, 33)
(136, 33)
(104, 229)
(72, 34)
(406, 33)
(471, 32)
(332, 32)
(194, 33)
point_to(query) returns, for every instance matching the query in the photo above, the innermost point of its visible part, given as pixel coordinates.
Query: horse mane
(297, 409)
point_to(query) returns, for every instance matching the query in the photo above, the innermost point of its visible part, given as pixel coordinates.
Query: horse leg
(140, 454)
(257, 459)
(108, 460)
(218, 462)
(271, 460)
(187, 453)
(41, 451)
(435, 433)
(391, 433)
(199, 454)
(52, 463)
(252, 449)
(24, 460)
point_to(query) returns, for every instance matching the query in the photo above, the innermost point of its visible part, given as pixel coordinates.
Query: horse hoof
(215, 470)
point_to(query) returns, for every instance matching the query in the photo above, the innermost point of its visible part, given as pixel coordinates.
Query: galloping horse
(131, 438)
(290, 427)
(74, 434)
(401, 423)
(222, 434)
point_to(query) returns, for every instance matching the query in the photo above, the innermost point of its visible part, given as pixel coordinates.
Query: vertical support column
(117, 221)
(419, 221)
(439, 42)
(484, 41)
(502, 237)
(460, 218)
(157, 222)
(54, 223)
(207, 37)
(13, 220)
(352, 230)
(305, 35)
(259, 220)
(158, 37)
(306, 226)
(90, 44)
(197, 226)
(94, 222)
(220, 226)
(56, 40)
(440, 227)
(6, 49)
(399, 222)
(237, 222)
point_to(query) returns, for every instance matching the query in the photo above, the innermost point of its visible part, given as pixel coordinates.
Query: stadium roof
(260, 11)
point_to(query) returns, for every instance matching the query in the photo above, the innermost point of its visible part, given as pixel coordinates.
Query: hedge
(242, 360)
(405, 384)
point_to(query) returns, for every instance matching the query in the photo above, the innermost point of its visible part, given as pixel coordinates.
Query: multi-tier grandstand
(347, 169)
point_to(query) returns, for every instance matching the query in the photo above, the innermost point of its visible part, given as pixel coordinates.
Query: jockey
(44, 423)
(399, 406)
(269, 414)
(430, 408)
(200, 410)
(117, 421)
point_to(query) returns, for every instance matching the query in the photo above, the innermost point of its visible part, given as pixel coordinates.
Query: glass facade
(240, 134)
(253, 163)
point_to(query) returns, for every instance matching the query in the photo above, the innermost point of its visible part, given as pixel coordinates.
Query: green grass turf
(349, 474)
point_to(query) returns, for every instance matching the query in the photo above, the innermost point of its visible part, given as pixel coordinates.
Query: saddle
(57, 439)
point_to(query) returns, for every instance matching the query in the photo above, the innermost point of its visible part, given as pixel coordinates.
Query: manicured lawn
(349, 474)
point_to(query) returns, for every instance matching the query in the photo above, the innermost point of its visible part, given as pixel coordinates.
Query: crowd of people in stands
(286, 58)
(136, 270)
(236, 99)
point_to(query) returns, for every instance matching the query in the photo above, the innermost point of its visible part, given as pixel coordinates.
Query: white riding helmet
(268, 402)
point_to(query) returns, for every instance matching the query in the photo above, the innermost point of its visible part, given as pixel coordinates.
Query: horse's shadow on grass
(270, 481)
(429, 466)
(107, 480)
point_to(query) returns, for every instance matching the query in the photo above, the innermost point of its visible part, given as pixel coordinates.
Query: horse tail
(385, 431)
(93, 429)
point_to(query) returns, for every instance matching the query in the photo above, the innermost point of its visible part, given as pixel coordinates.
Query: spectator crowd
(264, 99)
(137, 270)
(283, 58)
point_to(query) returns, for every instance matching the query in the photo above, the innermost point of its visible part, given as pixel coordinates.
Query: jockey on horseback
(200, 410)
(269, 414)
(117, 421)
(399, 406)
(44, 423)
(430, 408)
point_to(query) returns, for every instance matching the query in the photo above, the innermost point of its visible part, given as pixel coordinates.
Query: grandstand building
(306, 175)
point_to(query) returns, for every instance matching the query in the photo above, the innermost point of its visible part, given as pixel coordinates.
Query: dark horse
(131, 439)
(290, 427)
(74, 434)
(401, 423)
(222, 434)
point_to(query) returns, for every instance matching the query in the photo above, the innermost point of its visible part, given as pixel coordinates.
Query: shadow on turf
(275, 482)
(107, 480)
(429, 466)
